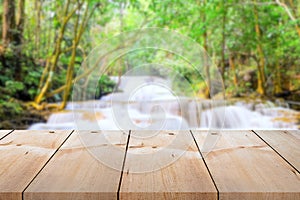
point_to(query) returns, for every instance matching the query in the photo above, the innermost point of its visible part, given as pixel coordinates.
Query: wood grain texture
(286, 143)
(294, 131)
(184, 177)
(22, 156)
(244, 167)
(75, 172)
(3, 133)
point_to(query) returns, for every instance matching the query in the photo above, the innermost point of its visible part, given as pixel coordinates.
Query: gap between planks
(277, 152)
(259, 185)
(9, 132)
(46, 163)
(66, 184)
(125, 154)
(123, 165)
(218, 193)
(201, 159)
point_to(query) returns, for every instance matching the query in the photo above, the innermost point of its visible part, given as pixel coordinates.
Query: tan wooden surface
(184, 176)
(244, 167)
(22, 156)
(87, 165)
(4, 132)
(286, 143)
(76, 173)
(294, 131)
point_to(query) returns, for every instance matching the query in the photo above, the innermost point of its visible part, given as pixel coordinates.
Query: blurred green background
(254, 43)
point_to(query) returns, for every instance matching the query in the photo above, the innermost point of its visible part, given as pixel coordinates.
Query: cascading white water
(236, 117)
(178, 112)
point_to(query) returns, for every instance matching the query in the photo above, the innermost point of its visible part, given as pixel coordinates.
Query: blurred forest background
(254, 43)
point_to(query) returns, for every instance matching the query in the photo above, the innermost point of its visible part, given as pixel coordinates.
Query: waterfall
(236, 117)
(155, 106)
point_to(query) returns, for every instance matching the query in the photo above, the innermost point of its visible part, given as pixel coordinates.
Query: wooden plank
(184, 177)
(3, 133)
(286, 143)
(22, 156)
(75, 172)
(244, 167)
(294, 131)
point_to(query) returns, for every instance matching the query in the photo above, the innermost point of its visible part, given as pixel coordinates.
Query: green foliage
(14, 86)
(206, 21)
(105, 86)
(10, 109)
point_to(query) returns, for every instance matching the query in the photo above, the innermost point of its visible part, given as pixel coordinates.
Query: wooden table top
(243, 164)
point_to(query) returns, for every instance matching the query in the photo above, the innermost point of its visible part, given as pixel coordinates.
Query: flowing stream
(239, 115)
(156, 107)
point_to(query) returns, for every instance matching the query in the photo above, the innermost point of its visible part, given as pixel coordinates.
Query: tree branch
(287, 10)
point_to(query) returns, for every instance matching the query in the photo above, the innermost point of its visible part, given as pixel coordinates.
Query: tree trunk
(261, 58)
(19, 39)
(277, 81)
(70, 70)
(277, 78)
(223, 39)
(206, 68)
(207, 92)
(12, 33)
(8, 23)
(38, 8)
(77, 36)
(233, 69)
(53, 59)
(20, 21)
